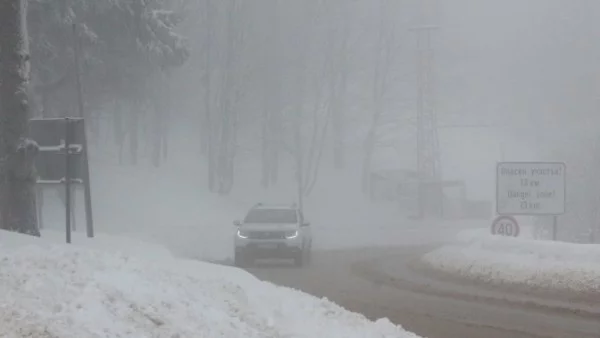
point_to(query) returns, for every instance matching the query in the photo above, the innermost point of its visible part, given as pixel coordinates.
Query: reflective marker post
(554, 227)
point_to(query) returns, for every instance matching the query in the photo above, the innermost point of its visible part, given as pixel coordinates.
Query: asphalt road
(362, 281)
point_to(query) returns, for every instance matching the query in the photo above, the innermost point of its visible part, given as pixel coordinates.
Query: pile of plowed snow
(520, 261)
(56, 290)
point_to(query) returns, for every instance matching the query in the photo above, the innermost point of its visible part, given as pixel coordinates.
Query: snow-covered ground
(520, 261)
(116, 287)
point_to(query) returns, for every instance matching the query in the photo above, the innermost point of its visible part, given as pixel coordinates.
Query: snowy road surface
(356, 280)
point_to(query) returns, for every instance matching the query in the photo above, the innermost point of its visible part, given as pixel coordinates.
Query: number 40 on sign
(505, 226)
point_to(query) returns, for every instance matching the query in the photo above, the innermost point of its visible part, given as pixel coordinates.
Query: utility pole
(428, 153)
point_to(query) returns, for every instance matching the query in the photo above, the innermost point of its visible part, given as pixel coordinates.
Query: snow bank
(477, 233)
(56, 290)
(526, 262)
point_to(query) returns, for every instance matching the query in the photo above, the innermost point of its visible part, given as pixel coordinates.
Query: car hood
(268, 227)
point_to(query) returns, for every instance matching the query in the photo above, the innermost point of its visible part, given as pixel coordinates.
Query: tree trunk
(157, 136)
(380, 83)
(224, 149)
(161, 108)
(339, 94)
(119, 132)
(312, 173)
(17, 152)
(165, 120)
(367, 159)
(370, 140)
(266, 148)
(272, 100)
(206, 119)
(267, 131)
(213, 137)
(276, 139)
(299, 163)
(339, 158)
(134, 123)
(229, 98)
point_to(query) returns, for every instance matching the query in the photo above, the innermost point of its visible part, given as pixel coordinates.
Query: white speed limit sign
(505, 226)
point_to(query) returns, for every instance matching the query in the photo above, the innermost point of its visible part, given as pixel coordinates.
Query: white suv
(273, 231)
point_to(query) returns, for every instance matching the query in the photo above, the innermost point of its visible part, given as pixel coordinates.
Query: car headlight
(242, 234)
(291, 234)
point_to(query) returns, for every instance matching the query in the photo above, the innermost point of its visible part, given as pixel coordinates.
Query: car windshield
(271, 216)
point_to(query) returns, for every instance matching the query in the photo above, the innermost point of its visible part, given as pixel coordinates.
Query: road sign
(530, 188)
(63, 159)
(50, 162)
(506, 226)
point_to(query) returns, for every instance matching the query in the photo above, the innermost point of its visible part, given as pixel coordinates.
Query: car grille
(266, 235)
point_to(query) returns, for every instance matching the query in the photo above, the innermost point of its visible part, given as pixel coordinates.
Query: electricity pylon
(428, 149)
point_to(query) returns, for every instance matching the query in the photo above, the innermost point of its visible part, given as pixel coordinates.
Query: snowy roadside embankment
(55, 290)
(553, 266)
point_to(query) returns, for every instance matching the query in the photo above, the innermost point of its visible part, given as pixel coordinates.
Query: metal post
(299, 166)
(68, 179)
(428, 152)
(39, 203)
(86, 170)
(81, 109)
(554, 227)
(87, 185)
(74, 208)
(78, 72)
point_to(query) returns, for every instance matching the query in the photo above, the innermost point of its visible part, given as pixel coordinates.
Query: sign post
(554, 227)
(58, 137)
(68, 179)
(531, 188)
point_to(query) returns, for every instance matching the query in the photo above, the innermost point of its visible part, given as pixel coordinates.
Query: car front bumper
(269, 249)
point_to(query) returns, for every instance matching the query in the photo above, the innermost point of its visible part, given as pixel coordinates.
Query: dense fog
(207, 107)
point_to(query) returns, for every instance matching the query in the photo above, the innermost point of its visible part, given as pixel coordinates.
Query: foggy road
(355, 279)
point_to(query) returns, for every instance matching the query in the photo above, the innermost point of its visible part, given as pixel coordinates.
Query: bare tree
(17, 151)
(161, 102)
(310, 86)
(209, 132)
(118, 129)
(383, 60)
(338, 79)
(308, 160)
(223, 129)
(271, 119)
